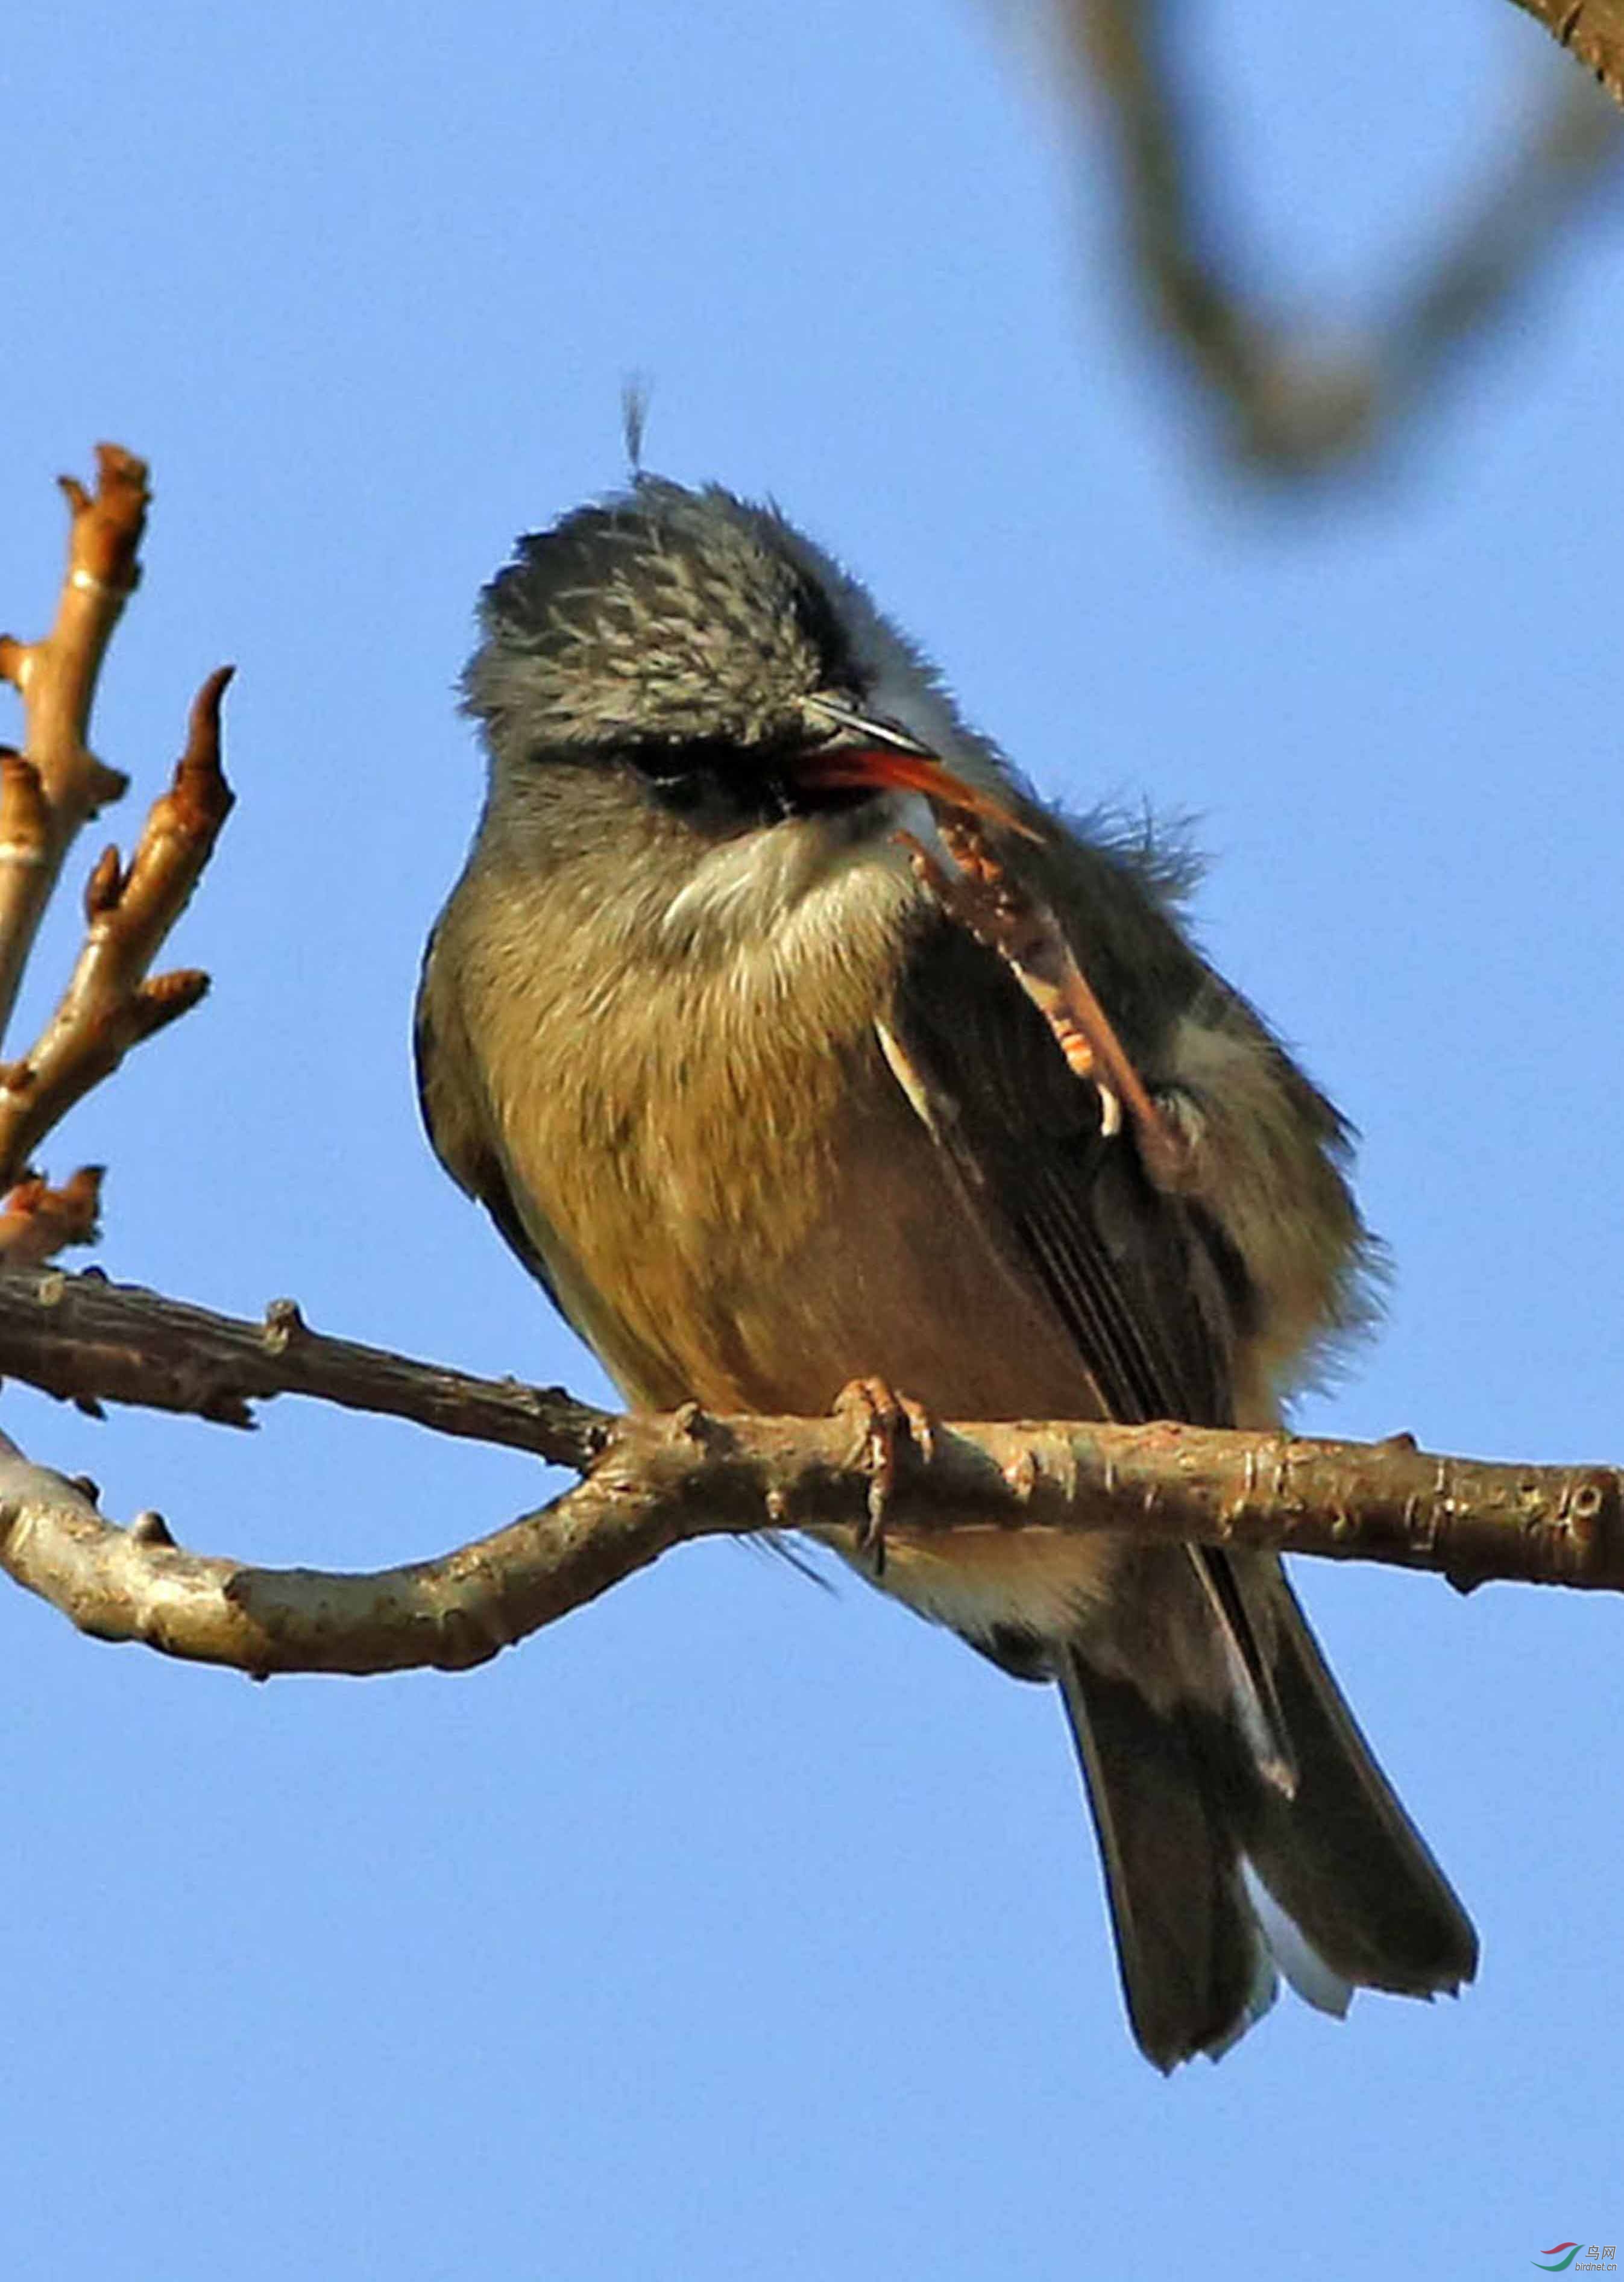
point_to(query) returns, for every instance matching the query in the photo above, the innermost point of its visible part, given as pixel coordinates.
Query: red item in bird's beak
(882, 768)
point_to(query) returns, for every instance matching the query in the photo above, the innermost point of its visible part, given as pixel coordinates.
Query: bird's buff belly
(685, 1296)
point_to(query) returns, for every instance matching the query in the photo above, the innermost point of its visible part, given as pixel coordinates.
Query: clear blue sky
(732, 1929)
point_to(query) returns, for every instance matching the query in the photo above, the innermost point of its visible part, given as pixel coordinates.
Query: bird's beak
(872, 755)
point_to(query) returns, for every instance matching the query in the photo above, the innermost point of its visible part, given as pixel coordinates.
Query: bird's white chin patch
(761, 888)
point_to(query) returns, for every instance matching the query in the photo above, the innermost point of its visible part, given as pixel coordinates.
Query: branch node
(103, 785)
(1592, 1516)
(164, 998)
(691, 1424)
(1021, 1475)
(199, 774)
(283, 1323)
(150, 1528)
(37, 1220)
(106, 884)
(25, 817)
(464, 1642)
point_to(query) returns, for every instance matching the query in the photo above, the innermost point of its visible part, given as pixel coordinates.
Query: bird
(769, 1121)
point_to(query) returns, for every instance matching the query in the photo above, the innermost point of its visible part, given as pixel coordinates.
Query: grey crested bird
(764, 1120)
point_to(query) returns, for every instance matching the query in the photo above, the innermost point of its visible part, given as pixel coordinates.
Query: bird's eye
(682, 790)
(713, 777)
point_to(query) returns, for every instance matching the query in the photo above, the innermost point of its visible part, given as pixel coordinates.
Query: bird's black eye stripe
(756, 784)
(706, 771)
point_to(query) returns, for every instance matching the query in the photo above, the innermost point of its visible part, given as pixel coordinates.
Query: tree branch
(47, 793)
(1592, 30)
(89, 1342)
(112, 1002)
(1298, 400)
(55, 783)
(650, 1483)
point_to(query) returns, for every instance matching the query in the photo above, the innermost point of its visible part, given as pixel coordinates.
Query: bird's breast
(735, 1199)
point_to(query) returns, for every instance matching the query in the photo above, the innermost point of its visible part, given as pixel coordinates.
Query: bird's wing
(1146, 1284)
(450, 1097)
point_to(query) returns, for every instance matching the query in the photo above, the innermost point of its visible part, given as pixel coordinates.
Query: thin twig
(90, 1341)
(47, 793)
(56, 677)
(38, 1221)
(111, 1003)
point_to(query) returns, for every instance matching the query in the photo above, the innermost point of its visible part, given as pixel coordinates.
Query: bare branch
(47, 793)
(111, 1004)
(38, 1221)
(660, 1482)
(651, 1483)
(1592, 30)
(90, 1341)
(57, 678)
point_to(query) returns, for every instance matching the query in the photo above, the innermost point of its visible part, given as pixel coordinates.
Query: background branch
(1296, 399)
(1592, 30)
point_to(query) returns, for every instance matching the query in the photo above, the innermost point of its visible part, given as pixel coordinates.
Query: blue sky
(731, 1928)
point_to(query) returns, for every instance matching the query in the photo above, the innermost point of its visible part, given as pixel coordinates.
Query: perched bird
(765, 1118)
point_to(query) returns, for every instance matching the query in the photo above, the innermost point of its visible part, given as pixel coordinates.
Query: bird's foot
(883, 1420)
(1000, 910)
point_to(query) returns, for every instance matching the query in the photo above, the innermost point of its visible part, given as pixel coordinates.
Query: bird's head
(706, 661)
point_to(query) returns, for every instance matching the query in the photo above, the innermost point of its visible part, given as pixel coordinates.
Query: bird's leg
(882, 1418)
(1001, 912)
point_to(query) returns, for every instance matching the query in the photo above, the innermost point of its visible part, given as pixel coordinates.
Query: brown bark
(650, 1483)
(1592, 30)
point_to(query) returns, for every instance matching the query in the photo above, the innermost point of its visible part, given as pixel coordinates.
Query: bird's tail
(1227, 1855)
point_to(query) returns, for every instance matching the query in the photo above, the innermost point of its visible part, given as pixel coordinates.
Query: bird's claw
(883, 1420)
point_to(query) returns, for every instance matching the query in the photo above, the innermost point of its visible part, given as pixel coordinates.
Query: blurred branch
(1592, 30)
(653, 1482)
(1293, 406)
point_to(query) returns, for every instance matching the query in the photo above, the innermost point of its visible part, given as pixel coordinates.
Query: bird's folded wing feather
(1145, 1282)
